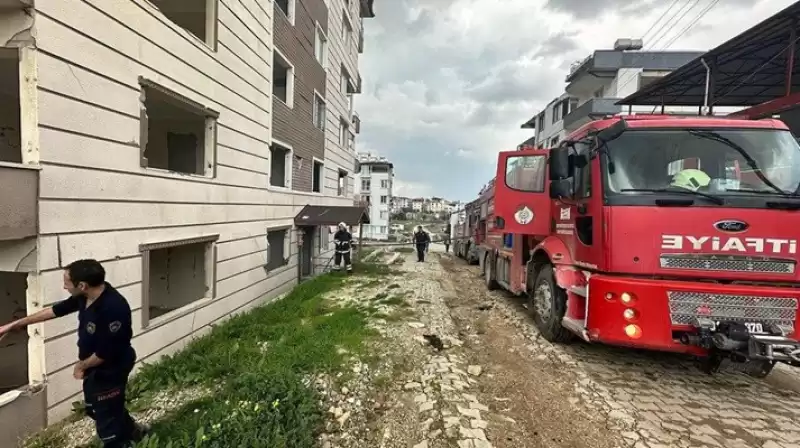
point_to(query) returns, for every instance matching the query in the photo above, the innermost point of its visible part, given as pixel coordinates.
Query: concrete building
(142, 136)
(400, 203)
(595, 84)
(417, 204)
(345, 41)
(374, 190)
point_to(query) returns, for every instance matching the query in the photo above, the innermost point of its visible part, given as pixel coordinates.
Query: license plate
(754, 327)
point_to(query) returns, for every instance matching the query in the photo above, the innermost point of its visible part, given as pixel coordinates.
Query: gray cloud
(448, 82)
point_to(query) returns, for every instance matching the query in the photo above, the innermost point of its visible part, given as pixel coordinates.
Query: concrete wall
(294, 126)
(96, 200)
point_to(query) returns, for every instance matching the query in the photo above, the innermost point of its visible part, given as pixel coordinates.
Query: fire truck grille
(684, 306)
(702, 262)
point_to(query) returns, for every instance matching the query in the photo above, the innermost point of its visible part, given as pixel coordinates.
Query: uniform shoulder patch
(115, 326)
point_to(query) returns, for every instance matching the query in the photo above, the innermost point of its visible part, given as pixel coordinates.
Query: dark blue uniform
(105, 329)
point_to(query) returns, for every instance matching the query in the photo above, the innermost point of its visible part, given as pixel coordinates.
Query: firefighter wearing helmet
(342, 240)
(690, 179)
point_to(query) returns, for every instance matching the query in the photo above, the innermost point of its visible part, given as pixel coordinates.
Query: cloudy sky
(447, 83)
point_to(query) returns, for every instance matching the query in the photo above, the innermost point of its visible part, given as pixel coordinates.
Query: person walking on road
(422, 240)
(105, 354)
(446, 239)
(343, 241)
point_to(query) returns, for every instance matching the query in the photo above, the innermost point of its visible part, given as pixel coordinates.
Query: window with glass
(716, 161)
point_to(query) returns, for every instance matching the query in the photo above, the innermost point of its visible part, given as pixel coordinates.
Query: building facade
(595, 84)
(400, 204)
(374, 190)
(345, 41)
(143, 136)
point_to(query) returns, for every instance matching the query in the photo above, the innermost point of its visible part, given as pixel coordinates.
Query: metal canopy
(321, 215)
(749, 69)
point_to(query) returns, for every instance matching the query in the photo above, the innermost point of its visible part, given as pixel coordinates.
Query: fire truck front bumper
(756, 322)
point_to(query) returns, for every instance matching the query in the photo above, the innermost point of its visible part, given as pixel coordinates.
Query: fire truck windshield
(720, 161)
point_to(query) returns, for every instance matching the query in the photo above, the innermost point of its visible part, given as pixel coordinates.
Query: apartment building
(345, 41)
(142, 134)
(374, 191)
(595, 84)
(400, 203)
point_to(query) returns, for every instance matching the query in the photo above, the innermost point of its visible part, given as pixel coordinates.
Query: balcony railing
(19, 211)
(593, 109)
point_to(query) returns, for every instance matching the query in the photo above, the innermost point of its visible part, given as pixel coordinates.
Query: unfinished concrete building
(136, 133)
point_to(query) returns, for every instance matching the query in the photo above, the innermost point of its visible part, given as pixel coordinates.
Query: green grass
(260, 399)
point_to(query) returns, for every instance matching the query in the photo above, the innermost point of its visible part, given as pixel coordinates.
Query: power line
(681, 33)
(670, 19)
(693, 5)
(666, 11)
(702, 13)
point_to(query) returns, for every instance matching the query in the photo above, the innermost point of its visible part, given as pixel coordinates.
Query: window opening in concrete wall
(320, 45)
(280, 158)
(288, 7)
(176, 275)
(282, 78)
(342, 184)
(318, 112)
(278, 248)
(14, 347)
(178, 134)
(365, 185)
(316, 180)
(198, 17)
(384, 199)
(10, 123)
(344, 132)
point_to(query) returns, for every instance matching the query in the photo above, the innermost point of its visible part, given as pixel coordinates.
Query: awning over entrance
(752, 68)
(323, 215)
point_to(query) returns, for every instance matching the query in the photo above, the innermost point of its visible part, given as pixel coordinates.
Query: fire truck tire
(488, 273)
(549, 323)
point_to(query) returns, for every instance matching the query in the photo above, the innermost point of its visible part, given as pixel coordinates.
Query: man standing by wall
(105, 354)
(343, 241)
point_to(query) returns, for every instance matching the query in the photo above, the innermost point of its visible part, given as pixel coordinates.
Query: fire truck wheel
(488, 273)
(548, 304)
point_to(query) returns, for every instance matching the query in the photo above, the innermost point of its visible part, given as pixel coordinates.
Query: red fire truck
(658, 232)
(471, 233)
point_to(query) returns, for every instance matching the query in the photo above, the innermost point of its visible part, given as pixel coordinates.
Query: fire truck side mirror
(559, 163)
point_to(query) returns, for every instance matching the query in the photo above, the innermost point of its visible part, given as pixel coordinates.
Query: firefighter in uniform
(421, 241)
(342, 240)
(105, 354)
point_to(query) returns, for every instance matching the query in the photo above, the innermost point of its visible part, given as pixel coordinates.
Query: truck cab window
(526, 173)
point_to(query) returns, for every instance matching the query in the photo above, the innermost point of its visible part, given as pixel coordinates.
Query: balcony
(591, 110)
(19, 211)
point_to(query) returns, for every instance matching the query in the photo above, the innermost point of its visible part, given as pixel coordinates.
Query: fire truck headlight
(633, 331)
(630, 314)
(627, 298)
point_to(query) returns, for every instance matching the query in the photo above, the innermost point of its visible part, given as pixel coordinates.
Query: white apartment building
(400, 203)
(595, 84)
(374, 190)
(138, 133)
(417, 204)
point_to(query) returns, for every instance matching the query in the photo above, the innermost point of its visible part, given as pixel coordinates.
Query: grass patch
(374, 269)
(255, 363)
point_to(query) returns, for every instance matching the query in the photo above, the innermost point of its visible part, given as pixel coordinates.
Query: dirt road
(495, 382)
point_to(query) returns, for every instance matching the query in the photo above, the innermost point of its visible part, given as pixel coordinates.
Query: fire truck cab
(659, 232)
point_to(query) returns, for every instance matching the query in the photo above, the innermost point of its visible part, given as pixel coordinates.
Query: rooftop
(747, 70)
